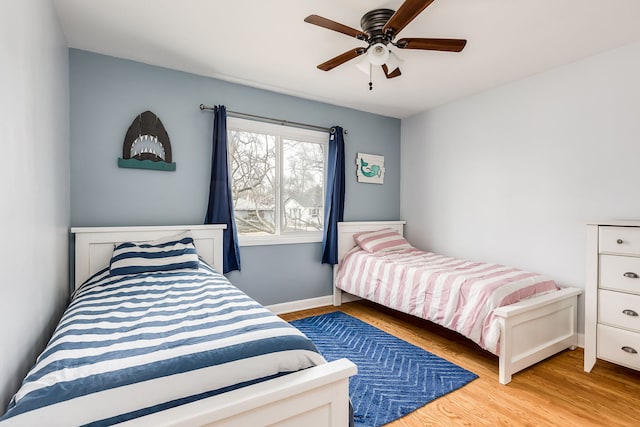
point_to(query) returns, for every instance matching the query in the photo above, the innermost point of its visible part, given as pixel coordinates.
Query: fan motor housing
(372, 23)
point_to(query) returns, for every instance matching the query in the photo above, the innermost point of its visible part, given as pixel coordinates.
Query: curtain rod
(272, 120)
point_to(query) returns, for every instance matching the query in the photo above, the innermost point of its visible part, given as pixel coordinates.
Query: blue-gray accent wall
(106, 95)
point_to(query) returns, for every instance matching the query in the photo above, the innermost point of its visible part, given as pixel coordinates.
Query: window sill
(278, 240)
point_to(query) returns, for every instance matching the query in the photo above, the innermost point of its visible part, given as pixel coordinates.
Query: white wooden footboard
(315, 397)
(535, 329)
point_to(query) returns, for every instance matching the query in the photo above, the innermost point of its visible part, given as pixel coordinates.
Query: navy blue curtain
(220, 208)
(334, 199)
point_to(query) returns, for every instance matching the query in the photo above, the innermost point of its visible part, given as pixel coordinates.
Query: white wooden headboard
(94, 245)
(346, 230)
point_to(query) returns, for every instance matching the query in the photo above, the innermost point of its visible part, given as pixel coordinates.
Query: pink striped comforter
(460, 295)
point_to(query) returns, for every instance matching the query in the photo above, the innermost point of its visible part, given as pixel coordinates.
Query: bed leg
(337, 297)
(573, 347)
(504, 369)
(504, 378)
(337, 293)
(506, 354)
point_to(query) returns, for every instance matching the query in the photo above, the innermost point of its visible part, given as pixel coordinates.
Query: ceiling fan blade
(445, 45)
(341, 59)
(390, 75)
(335, 26)
(405, 14)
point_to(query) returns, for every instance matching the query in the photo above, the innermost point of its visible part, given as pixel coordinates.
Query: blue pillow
(166, 254)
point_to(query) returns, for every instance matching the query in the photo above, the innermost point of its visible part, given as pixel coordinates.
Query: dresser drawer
(611, 342)
(619, 240)
(620, 272)
(619, 309)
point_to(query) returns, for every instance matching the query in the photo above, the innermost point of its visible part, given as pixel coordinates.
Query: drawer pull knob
(619, 241)
(630, 275)
(631, 313)
(629, 350)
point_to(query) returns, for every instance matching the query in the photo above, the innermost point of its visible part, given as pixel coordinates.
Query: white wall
(511, 175)
(34, 183)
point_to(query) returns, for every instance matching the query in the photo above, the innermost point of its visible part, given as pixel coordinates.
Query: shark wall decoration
(146, 145)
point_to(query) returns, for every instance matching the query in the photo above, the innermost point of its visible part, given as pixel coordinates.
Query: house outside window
(278, 181)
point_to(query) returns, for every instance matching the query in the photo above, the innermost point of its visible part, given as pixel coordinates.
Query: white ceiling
(266, 44)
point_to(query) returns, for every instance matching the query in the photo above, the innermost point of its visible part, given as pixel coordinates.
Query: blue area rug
(394, 377)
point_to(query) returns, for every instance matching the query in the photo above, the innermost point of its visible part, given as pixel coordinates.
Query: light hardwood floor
(555, 392)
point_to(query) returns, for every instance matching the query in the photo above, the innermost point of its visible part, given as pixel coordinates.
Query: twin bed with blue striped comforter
(155, 314)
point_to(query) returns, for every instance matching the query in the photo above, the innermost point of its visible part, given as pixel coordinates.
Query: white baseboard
(305, 304)
(581, 340)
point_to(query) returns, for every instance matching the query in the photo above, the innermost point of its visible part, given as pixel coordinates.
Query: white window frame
(282, 132)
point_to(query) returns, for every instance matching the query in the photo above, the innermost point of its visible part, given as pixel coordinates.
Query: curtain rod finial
(333, 130)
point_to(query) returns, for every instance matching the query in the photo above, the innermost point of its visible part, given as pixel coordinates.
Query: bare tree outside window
(253, 173)
(277, 180)
(303, 190)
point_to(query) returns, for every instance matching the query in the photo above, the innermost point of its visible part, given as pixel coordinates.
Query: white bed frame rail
(530, 330)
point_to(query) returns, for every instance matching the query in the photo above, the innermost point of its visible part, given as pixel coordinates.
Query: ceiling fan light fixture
(364, 65)
(378, 54)
(393, 62)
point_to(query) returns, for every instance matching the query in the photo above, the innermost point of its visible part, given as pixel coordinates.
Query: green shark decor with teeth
(146, 145)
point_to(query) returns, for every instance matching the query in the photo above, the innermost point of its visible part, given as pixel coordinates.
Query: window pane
(253, 165)
(303, 186)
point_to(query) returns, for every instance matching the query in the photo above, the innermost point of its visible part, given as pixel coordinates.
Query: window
(278, 181)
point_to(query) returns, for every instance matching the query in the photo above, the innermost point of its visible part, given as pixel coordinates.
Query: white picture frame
(370, 168)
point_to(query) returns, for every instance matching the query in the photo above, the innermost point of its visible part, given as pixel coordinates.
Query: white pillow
(383, 240)
(165, 254)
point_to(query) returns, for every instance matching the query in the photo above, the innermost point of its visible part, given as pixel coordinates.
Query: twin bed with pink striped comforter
(457, 294)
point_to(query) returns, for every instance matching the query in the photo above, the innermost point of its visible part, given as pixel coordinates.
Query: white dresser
(612, 294)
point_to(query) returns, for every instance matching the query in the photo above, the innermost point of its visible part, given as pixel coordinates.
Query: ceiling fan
(379, 28)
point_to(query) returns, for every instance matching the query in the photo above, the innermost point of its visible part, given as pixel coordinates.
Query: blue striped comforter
(119, 330)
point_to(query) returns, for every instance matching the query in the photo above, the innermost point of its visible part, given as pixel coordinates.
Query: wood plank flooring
(555, 392)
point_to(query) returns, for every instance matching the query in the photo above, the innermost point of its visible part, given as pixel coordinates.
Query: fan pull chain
(370, 72)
